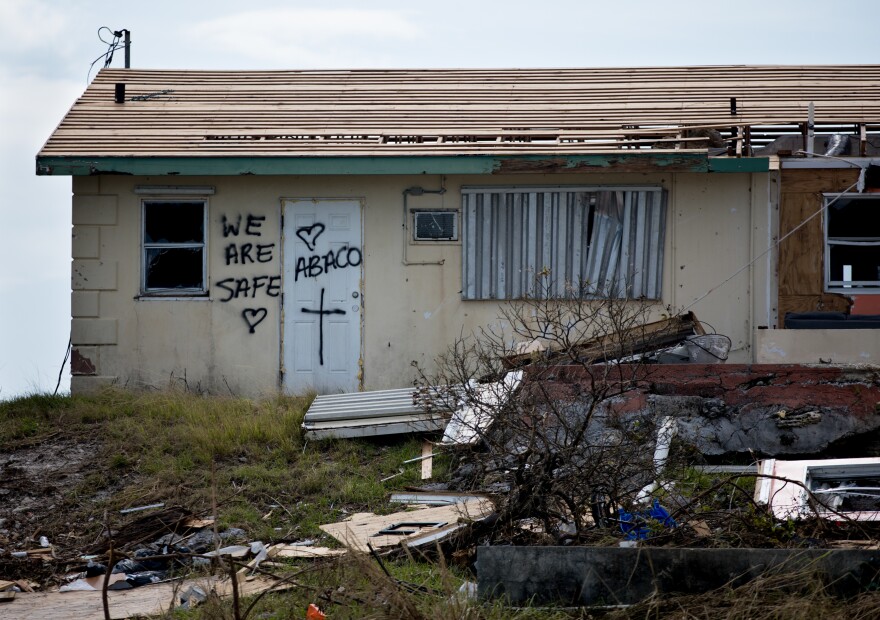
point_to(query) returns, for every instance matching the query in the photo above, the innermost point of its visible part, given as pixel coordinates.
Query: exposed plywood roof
(452, 112)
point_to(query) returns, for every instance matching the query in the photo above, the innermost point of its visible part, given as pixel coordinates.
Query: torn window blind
(591, 241)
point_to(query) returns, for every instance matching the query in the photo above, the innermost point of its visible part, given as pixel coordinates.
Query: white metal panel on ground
(369, 414)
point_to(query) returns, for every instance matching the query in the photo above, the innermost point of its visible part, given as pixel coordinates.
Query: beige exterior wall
(715, 224)
(817, 346)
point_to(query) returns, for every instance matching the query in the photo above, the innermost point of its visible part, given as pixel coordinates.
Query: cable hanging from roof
(112, 45)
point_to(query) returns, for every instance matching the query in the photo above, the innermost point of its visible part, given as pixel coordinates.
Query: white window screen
(591, 240)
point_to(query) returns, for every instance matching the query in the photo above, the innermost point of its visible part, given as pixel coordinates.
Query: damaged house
(259, 231)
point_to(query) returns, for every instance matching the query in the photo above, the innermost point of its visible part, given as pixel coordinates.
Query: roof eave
(66, 165)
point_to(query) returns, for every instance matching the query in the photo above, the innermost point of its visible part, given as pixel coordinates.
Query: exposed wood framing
(801, 256)
(378, 113)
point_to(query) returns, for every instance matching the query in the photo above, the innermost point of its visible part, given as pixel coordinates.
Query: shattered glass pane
(174, 222)
(174, 268)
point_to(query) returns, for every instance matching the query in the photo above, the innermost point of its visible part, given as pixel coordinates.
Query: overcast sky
(46, 47)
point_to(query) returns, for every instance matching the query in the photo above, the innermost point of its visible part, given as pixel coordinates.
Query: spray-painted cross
(321, 314)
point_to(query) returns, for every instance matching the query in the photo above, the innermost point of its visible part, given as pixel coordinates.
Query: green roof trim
(364, 165)
(739, 164)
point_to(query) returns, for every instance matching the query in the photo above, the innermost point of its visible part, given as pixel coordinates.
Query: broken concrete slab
(614, 575)
(721, 409)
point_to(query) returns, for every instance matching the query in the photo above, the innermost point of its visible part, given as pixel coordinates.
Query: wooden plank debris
(196, 524)
(434, 498)
(427, 460)
(149, 600)
(302, 551)
(363, 528)
(632, 341)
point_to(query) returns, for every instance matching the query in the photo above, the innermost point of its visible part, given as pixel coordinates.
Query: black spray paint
(246, 253)
(321, 314)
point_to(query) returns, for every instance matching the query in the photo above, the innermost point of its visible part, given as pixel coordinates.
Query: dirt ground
(39, 483)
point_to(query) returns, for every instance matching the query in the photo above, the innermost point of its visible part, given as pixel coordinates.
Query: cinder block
(86, 385)
(93, 331)
(84, 304)
(86, 242)
(94, 210)
(86, 185)
(93, 275)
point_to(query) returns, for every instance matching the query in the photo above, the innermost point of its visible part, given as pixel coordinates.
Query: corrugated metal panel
(367, 414)
(588, 238)
(450, 111)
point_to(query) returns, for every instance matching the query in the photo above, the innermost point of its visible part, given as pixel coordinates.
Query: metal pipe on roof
(811, 129)
(838, 144)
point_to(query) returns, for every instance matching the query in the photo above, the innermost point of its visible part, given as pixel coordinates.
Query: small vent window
(435, 226)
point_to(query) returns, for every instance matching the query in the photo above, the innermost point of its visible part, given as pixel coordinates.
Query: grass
(269, 480)
(182, 449)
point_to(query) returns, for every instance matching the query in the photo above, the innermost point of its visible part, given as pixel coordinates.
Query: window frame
(456, 226)
(859, 287)
(199, 292)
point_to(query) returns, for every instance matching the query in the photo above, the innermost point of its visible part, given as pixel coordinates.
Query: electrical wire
(63, 364)
(772, 247)
(858, 184)
(112, 46)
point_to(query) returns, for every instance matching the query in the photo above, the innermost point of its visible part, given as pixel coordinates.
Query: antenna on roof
(126, 43)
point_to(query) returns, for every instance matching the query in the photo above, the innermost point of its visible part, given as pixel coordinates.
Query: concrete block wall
(92, 275)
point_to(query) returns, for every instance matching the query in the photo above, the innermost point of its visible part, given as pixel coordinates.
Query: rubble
(411, 528)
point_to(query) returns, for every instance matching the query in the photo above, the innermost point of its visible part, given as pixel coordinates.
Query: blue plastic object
(638, 525)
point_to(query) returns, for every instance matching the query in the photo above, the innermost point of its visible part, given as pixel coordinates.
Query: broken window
(174, 246)
(591, 240)
(852, 248)
(838, 488)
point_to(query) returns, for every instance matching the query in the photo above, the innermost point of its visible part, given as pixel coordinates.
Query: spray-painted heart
(310, 234)
(253, 317)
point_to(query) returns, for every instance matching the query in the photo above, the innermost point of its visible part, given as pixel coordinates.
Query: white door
(323, 266)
